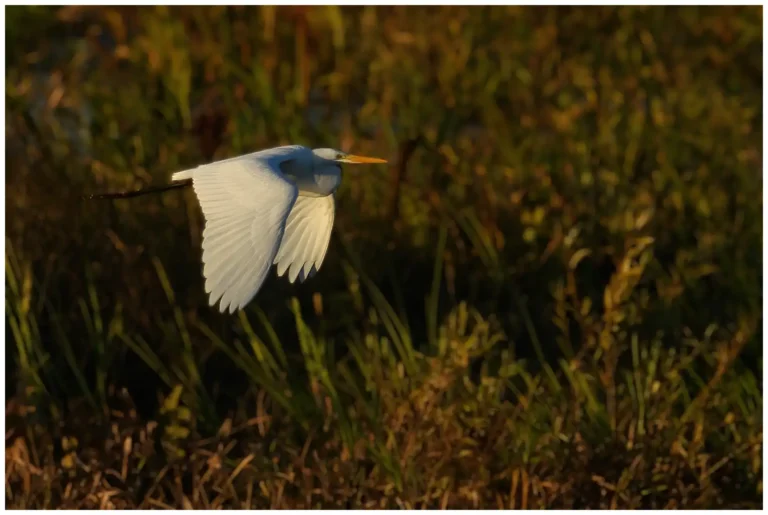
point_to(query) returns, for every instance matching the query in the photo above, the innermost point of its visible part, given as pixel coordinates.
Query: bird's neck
(316, 179)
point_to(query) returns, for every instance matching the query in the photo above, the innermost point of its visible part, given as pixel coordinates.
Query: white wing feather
(307, 234)
(245, 202)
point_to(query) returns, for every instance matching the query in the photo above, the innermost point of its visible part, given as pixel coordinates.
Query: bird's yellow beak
(353, 159)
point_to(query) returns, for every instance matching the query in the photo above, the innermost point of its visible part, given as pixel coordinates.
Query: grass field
(551, 297)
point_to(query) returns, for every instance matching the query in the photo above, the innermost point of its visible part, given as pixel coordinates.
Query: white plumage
(275, 206)
(306, 238)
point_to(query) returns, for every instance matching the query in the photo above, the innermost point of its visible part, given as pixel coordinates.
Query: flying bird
(272, 207)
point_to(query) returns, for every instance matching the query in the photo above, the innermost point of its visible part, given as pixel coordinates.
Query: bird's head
(337, 156)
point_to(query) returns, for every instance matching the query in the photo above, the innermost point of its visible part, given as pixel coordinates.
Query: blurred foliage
(551, 298)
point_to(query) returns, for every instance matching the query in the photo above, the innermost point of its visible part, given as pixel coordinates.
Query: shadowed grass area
(550, 298)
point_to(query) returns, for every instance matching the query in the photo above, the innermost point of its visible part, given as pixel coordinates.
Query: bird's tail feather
(183, 175)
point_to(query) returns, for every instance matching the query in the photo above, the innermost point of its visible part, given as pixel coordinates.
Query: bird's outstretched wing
(245, 203)
(307, 234)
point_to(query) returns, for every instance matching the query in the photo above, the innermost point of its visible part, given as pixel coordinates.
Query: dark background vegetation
(551, 297)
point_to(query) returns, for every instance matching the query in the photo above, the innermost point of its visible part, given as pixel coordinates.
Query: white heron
(275, 206)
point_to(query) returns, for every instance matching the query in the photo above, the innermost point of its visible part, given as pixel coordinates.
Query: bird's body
(274, 206)
(312, 176)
